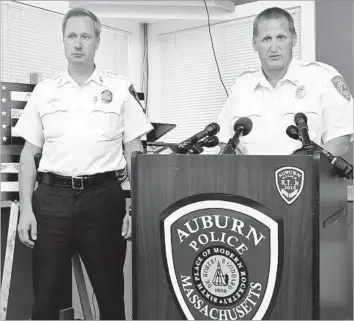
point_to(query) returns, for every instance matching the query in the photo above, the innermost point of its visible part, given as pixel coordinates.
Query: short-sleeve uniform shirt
(313, 88)
(81, 129)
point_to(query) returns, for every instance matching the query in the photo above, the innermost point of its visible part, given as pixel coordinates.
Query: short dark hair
(81, 12)
(274, 13)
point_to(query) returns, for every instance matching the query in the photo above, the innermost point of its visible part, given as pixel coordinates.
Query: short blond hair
(274, 13)
(81, 12)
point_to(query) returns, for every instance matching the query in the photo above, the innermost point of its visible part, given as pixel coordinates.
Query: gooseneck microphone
(300, 120)
(210, 141)
(210, 130)
(343, 168)
(242, 127)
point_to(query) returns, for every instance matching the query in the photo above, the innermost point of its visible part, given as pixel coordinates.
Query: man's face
(274, 43)
(80, 42)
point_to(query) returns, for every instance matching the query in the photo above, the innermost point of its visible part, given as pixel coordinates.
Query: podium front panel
(162, 180)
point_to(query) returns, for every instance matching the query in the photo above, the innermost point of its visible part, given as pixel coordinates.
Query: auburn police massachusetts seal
(221, 255)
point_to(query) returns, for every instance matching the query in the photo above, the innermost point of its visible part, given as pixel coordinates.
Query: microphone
(210, 141)
(300, 120)
(242, 127)
(293, 132)
(210, 130)
(341, 165)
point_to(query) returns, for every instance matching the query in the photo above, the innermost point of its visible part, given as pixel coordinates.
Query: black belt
(78, 182)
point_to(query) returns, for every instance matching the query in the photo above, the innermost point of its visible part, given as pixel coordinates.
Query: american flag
(14, 97)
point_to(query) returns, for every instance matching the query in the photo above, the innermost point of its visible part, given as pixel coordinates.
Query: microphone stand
(342, 168)
(227, 150)
(306, 150)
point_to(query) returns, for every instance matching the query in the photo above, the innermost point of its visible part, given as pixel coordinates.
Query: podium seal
(222, 256)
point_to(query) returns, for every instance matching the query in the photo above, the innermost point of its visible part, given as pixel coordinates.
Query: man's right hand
(27, 227)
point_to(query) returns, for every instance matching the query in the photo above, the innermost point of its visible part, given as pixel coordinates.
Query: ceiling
(148, 11)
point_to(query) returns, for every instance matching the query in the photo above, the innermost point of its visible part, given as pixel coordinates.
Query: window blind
(191, 94)
(31, 42)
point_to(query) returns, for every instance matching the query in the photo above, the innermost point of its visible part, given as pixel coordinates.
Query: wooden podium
(311, 280)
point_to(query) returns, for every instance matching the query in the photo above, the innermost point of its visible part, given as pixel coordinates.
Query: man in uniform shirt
(283, 87)
(79, 120)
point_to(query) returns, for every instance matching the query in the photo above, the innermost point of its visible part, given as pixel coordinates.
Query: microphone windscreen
(292, 132)
(211, 141)
(298, 117)
(246, 123)
(212, 129)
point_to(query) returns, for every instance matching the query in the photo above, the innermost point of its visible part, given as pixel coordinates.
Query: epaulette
(56, 76)
(328, 68)
(321, 65)
(111, 74)
(247, 72)
(56, 79)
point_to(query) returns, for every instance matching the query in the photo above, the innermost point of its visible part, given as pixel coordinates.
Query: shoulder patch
(341, 86)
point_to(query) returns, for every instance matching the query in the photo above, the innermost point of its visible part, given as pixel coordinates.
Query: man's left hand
(127, 227)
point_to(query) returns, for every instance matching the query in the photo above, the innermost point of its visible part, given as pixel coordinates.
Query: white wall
(136, 45)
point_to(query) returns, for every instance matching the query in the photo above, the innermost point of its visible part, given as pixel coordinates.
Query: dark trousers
(86, 221)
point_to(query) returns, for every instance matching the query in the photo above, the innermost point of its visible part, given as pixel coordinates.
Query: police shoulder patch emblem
(222, 256)
(290, 182)
(340, 84)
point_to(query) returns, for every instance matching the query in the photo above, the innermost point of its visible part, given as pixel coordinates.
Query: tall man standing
(80, 121)
(283, 87)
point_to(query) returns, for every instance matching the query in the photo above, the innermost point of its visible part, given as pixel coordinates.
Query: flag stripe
(9, 177)
(20, 95)
(16, 113)
(9, 187)
(14, 104)
(17, 141)
(9, 168)
(13, 123)
(9, 196)
(9, 158)
(11, 86)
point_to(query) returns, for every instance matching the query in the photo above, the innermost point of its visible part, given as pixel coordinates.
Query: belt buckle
(81, 179)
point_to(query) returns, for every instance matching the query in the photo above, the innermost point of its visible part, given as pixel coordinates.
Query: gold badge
(300, 92)
(106, 96)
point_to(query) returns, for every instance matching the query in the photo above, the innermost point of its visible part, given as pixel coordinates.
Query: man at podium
(283, 87)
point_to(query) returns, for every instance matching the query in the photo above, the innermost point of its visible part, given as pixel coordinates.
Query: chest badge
(106, 96)
(300, 92)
